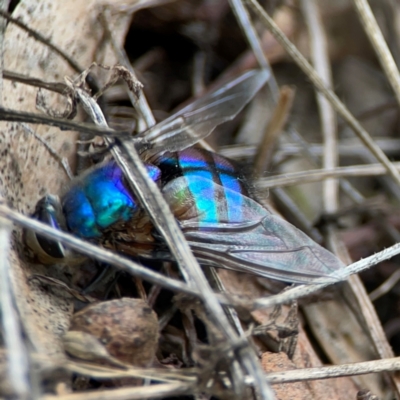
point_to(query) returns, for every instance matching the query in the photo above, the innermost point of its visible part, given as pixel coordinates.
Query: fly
(208, 196)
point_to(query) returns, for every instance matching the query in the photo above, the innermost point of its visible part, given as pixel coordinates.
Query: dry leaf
(27, 169)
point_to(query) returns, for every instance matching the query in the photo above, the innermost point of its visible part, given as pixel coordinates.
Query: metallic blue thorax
(99, 199)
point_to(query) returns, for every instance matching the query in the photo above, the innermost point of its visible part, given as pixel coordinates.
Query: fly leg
(104, 274)
(278, 334)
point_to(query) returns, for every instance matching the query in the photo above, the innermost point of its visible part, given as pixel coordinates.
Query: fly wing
(199, 119)
(270, 247)
(244, 236)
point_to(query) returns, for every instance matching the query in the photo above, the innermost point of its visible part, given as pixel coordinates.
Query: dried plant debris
(122, 310)
(128, 328)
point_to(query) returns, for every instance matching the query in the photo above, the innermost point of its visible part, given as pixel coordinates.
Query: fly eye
(48, 210)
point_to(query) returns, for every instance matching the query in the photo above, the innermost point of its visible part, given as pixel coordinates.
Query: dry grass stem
(139, 103)
(18, 364)
(274, 127)
(320, 58)
(381, 48)
(297, 178)
(390, 364)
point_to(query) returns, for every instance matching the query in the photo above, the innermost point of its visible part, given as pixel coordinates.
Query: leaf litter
(177, 48)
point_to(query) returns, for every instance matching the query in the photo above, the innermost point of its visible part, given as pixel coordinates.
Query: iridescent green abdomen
(210, 181)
